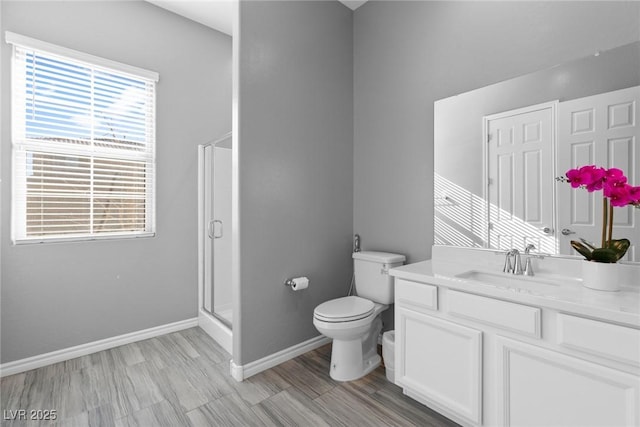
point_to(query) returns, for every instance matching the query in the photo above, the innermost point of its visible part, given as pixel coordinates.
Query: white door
(441, 364)
(603, 130)
(520, 178)
(540, 387)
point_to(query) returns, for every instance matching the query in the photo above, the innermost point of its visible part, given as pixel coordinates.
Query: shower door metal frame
(205, 230)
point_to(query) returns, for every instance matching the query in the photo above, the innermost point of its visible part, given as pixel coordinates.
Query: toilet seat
(345, 309)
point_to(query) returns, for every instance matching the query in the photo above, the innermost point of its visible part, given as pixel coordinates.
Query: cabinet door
(440, 363)
(540, 387)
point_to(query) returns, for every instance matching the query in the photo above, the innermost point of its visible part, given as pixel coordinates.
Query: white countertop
(568, 296)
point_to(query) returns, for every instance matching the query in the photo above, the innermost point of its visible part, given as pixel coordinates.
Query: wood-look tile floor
(182, 379)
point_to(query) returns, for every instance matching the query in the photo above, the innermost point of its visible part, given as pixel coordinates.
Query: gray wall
(409, 54)
(60, 295)
(295, 167)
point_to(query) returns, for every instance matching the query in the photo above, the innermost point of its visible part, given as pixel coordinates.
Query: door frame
(201, 219)
(553, 106)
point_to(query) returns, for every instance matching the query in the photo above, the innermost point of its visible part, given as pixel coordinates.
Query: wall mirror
(498, 149)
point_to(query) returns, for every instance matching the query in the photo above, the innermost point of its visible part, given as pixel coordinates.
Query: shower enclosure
(214, 299)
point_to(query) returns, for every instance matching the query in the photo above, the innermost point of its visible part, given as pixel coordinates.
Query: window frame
(22, 146)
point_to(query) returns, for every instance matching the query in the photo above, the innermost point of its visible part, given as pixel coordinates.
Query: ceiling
(353, 4)
(217, 14)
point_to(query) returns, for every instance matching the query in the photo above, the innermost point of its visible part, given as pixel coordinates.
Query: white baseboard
(216, 330)
(242, 372)
(236, 371)
(45, 359)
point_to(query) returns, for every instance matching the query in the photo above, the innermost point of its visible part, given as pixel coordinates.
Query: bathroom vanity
(484, 347)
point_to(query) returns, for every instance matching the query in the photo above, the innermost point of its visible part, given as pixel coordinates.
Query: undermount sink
(532, 283)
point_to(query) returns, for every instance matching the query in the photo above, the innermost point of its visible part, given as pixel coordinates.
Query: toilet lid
(344, 309)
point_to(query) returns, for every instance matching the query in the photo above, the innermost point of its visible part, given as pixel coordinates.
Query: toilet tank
(371, 275)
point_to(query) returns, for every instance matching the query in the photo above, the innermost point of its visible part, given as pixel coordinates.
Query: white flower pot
(602, 276)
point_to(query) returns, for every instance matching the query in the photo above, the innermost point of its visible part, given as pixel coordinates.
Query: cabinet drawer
(598, 338)
(417, 295)
(500, 314)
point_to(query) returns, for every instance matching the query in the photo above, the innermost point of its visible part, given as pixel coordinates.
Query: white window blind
(83, 145)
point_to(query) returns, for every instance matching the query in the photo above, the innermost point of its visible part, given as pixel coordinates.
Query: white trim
(236, 271)
(236, 371)
(45, 359)
(216, 330)
(201, 228)
(30, 43)
(242, 372)
(84, 238)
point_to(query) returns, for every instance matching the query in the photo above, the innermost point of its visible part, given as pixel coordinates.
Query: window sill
(72, 239)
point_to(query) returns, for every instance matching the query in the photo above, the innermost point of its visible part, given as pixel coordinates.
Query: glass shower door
(216, 197)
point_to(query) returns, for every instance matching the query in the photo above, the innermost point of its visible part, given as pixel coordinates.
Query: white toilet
(354, 322)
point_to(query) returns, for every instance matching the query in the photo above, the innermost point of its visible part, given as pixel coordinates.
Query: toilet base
(349, 370)
(353, 359)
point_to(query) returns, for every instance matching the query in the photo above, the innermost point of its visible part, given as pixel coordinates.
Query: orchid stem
(604, 222)
(610, 223)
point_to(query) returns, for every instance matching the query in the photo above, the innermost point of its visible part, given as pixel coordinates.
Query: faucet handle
(517, 265)
(508, 268)
(528, 269)
(528, 248)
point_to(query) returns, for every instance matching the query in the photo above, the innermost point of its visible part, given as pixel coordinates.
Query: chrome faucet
(528, 268)
(516, 266)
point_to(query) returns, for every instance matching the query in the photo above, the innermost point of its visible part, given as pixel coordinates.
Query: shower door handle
(216, 236)
(211, 229)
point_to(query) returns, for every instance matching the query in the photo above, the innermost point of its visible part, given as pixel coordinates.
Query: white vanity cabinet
(447, 375)
(482, 360)
(541, 387)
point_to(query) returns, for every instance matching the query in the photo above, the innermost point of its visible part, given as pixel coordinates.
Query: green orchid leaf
(587, 243)
(604, 255)
(619, 246)
(582, 249)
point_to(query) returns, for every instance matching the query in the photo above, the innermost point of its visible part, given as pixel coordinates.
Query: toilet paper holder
(297, 283)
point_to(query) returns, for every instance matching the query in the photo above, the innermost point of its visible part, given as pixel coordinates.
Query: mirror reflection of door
(519, 178)
(603, 130)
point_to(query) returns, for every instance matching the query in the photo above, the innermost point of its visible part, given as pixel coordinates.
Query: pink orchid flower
(619, 195)
(634, 195)
(615, 177)
(590, 177)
